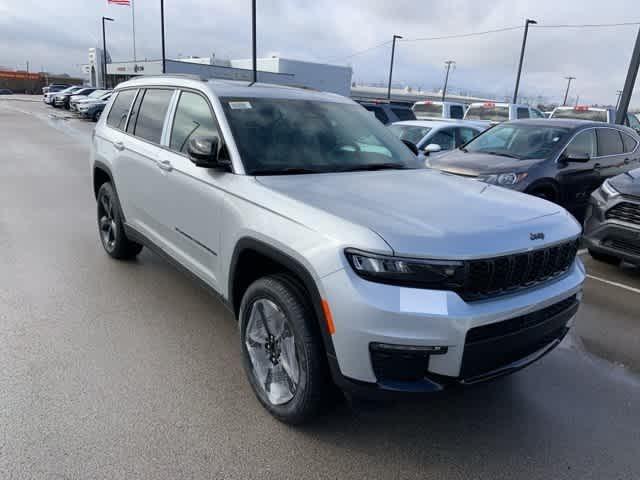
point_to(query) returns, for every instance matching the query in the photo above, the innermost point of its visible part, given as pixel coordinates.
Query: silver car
(343, 260)
(437, 137)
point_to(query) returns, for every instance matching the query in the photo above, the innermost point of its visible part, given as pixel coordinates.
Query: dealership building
(281, 71)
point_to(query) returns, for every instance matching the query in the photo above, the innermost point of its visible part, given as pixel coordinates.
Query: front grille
(494, 276)
(491, 347)
(625, 212)
(623, 246)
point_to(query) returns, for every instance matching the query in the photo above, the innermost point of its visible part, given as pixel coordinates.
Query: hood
(474, 164)
(426, 213)
(627, 183)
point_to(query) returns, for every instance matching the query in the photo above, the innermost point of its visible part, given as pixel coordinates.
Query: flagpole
(133, 21)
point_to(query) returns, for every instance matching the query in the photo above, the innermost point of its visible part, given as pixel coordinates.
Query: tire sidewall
(264, 289)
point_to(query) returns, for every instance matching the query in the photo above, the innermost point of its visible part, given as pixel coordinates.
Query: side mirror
(411, 146)
(577, 157)
(203, 151)
(432, 148)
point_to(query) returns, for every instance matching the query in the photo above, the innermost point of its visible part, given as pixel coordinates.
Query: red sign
(581, 108)
(489, 105)
(20, 75)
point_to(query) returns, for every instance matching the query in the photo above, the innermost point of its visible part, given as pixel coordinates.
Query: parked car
(435, 138)
(49, 96)
(612, 226)
(389, 113)
(492, 113)
(74, 100)
(93, 109)
(342, 258)
(5, 91)
(54, 87)
(428, 109)
(559, 160)
(594, 114)
(63, 99)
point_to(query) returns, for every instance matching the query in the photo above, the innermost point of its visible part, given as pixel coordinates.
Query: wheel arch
(548, 184)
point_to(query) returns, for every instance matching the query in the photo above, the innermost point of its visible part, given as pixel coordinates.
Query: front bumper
(368, 314)
(614, 237)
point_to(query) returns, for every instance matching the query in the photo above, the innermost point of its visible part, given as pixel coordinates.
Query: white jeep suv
(343, 259)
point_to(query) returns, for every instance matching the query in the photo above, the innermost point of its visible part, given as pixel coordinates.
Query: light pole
(448, 63)
(164, 61)
(393, 52)
(524, 44)
(566, 93)
(104, 52)
(254, 53)
(629, 83)
(618, 100)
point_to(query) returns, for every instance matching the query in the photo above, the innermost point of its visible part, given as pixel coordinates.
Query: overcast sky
(56, 35)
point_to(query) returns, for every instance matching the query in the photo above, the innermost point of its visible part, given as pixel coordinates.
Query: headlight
(608, 191)
(433, 274)
(503, 178)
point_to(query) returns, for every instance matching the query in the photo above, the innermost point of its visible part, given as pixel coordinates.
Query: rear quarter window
(609, 142)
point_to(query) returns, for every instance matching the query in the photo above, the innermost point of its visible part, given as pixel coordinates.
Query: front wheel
(282, 354)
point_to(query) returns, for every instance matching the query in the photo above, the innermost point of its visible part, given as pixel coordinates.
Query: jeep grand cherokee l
(342, 258)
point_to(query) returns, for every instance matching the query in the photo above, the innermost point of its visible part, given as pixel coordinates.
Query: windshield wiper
(375, 166)
(504, 154)
(286, 171)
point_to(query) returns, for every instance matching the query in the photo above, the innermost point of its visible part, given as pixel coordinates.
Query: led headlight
(608, 191)
(433, 274)
(503, 178)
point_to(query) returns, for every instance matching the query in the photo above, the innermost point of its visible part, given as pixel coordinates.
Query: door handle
(165, 165)
(119, 146)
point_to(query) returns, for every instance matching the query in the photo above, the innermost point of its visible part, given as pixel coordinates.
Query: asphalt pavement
(112, 370)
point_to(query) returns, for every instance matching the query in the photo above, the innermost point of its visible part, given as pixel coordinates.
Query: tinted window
(134, 112)
(193, 119)
(152, 113)
(633, 121)
(444, 138)
(487, 112)
(581, 113)
(456, 111)
(629, 143)
(537, 113)
(412, 133)
(609, 142)
(379, 113)
(583, 144)
(120, 109)
(519, 141)
(403, 113)
(465, 135)
(523, 112)
(278, 135)
(428, 109)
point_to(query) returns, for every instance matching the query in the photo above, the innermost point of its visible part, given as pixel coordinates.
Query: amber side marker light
(328, 317)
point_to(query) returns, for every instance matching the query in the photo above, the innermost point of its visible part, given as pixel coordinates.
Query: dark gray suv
(560, 160)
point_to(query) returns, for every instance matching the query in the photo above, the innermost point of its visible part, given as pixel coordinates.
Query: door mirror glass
(203, 151)
(577, 157)
(432, 148)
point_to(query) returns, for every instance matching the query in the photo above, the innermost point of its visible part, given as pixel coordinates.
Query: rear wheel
(282, 354)
(111, 226)
(605, 258)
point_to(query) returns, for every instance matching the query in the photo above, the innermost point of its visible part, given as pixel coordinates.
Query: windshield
(581, 114)
(519, 141)
(487, 112)
(279, 136)
(427, 109)
(412, 133)
(96, 94)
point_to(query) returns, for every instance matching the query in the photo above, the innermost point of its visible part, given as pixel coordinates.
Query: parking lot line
(614, 284)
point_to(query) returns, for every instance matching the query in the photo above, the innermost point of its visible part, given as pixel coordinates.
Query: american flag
(119, 2)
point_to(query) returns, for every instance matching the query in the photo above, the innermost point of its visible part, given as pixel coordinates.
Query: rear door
(141, 172)
(577, 180)
(611, 156)
(194, 213)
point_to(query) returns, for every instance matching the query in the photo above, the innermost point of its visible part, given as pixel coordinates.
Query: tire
(111, 227)
(268, 352)
(605, 258)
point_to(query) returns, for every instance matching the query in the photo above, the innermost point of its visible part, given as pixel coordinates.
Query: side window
(537, 113)
(523, 112)
(193, 119)
(151, 115)
(633, 121)
(456, 111)
(134, 112)
(379, 113)
(120, 109)
(403, 113)
(465, 135)
(583, 143)
(629, 143)
(609, 142)
(444, 138)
